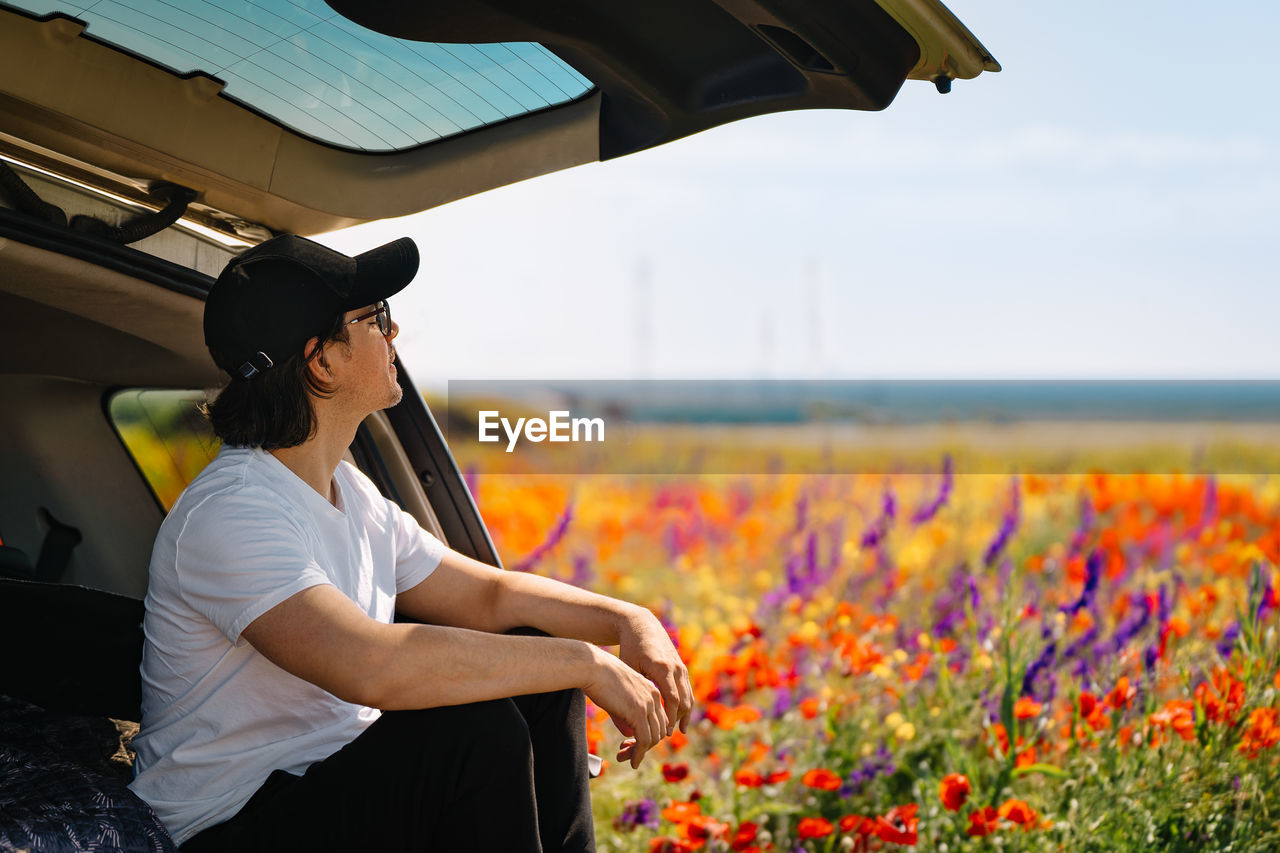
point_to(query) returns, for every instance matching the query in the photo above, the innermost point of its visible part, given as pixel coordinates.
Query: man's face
(367, 375)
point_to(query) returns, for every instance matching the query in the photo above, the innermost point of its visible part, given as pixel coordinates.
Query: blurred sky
(1106, 206)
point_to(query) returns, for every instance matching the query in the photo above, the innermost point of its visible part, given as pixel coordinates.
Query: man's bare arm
(465, 593)
(321, 636)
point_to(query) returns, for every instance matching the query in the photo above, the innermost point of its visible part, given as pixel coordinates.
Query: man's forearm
(561, 609)
(425, 666)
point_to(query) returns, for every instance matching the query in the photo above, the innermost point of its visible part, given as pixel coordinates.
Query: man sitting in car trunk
(282, 706)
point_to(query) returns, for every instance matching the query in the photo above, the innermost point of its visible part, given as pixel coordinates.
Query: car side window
(167, 436)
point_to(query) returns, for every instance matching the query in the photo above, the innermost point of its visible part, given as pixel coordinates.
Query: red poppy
(745, 835)
(852, 823)
(700, 827)
(1026, 708)
(1018, 812)
(822, 779)
(899, 825)
(954, 791)
(675, 772)
(778, 776)
(983, 822)
(810, 707)
(1122, 695)
(748, 778)
(814, 827)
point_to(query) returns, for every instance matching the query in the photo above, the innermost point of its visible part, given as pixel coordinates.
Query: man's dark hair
(273, 409)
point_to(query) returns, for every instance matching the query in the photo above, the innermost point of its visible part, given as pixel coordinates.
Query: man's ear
(313, 354)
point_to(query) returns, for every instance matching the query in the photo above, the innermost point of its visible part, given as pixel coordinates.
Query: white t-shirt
(218, 717)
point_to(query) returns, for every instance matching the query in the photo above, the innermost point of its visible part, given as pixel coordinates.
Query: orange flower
(778, 777)
(1122, 695)
(899, 825)
(810, 707)
(814, 827)
(1026, 708)
(1091, 711)
(748, 778)
(953, 791)
(1277, 679)
(1262, 731)
(822, 779)
(675, 772)
(1221, 697)
(1001, 736)
(1018, 812)
(983, 822)
(727, 718)
(679, 812)
(1178, 715)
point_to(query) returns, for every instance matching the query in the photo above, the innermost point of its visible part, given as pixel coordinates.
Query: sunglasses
(383, 313)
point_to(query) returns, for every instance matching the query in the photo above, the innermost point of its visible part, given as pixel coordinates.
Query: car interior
(136, 159)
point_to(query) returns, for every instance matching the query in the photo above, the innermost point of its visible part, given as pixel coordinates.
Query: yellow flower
(894, 720)
(906, 731)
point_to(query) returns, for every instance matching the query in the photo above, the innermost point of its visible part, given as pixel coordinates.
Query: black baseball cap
(273, 298)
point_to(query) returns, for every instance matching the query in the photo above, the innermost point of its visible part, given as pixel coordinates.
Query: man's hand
(632, 702)
(645, 647)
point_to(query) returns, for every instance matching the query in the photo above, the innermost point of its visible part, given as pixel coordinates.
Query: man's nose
(395, 330)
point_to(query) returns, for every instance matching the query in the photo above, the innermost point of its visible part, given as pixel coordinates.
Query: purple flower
(1086, 525)
(1079, 645)
(878, 529)
(1228, 642)
(1261, 581)
(879, 763)
(582, 573)
(1210, 510)
(929, 510)
(553, 538)
(1150, 655)
(1092, 573)
(971, 584)
(1132, 626)
(1164, 607)
(783, 701)
(1008, 524)
(1038, 670)
(637, 813)
(802, 511)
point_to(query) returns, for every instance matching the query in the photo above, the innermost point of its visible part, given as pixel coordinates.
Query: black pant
(505, 775)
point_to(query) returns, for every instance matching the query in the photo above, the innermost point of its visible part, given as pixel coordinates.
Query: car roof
(186, 95)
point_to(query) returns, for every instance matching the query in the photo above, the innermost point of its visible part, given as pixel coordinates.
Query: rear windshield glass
(305, 66)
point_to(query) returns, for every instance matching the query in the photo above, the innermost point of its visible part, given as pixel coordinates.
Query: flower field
(1075, 661)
